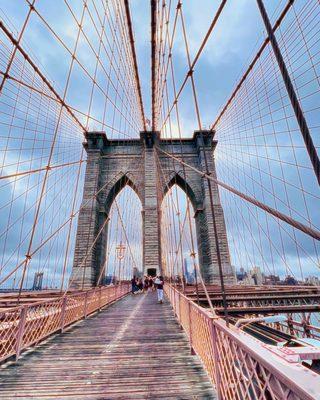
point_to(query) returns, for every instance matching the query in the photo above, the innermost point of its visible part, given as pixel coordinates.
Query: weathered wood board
(134, 349)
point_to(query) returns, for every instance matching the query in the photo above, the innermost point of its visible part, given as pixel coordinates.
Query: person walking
(150, 283)
(133, 284)
(159, 282)
(146, 284)
(140, 285)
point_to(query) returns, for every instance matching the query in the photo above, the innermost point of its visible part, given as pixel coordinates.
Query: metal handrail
(239, 365)
(23, 326)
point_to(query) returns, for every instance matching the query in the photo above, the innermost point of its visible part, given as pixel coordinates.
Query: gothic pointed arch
(124, 180)
(176, 178)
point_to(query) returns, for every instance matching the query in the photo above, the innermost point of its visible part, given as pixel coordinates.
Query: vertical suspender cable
(153, 61)
(134, 58)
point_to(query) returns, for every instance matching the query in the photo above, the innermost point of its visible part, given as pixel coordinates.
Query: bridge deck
(132, 350)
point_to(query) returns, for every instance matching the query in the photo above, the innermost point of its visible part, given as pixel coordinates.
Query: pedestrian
(150, 283)
(153, 285)
(159, 282)
(133, 285)
(140, 285)
(145, 284)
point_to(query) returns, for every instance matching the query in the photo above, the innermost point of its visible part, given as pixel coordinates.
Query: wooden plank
(134, 349)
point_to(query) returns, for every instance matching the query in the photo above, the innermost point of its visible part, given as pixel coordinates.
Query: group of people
(148, 283)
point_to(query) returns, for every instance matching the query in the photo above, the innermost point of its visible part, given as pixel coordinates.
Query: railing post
(176, 297)
(85, 306)
(190, 328)
(20, 332)
(290, 326)
(180, 310)
(63, 312)
(116, 290)
(100, 297)
(172, 298)
(108, 295)
(103, 296)
(306, 328)
(216, 358)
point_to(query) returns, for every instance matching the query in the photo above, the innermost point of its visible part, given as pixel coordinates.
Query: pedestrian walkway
(133, 349)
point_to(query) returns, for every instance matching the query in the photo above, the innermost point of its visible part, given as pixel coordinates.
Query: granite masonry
(112, 164)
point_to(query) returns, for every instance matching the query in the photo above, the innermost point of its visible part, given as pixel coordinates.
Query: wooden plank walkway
(134, 349)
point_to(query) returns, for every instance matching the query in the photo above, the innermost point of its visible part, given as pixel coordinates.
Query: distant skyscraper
(37, 281)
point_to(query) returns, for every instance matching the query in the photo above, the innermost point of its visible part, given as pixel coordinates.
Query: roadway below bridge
(134, 349)
(254, 300)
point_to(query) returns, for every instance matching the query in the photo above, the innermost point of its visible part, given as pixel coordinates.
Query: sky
(243, 155)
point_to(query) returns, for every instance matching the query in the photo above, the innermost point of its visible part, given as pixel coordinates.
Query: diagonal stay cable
(301, 120)
(44, 79)
(252, 64)
(47, 167)
(296, 224)
(83, 205)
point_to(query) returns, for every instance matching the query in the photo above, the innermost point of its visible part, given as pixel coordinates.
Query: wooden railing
(239, 366)
(21, 327)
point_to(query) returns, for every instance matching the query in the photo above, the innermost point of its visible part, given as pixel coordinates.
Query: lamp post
(120, 250)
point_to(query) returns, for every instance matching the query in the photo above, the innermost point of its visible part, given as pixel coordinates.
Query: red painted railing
(21, 327)
(239, 366)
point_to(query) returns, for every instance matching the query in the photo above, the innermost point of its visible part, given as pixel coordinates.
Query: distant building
(290, 281)
(253, 277)
(188, 273)
(313, 280)
(108, 279)
(231, 270)
(271, 280)
(242, 275)
(37, 281)
(257, 276)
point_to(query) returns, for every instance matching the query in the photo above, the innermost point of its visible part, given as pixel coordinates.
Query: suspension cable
(296, 224)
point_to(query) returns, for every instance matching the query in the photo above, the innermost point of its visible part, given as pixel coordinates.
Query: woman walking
(159, 282)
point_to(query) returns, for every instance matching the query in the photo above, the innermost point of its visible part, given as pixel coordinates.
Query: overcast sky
(254, 238)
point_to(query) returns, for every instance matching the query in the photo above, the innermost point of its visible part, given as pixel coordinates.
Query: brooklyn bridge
(152, 147)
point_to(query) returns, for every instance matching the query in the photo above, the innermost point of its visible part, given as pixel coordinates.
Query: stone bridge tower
(112, 164)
